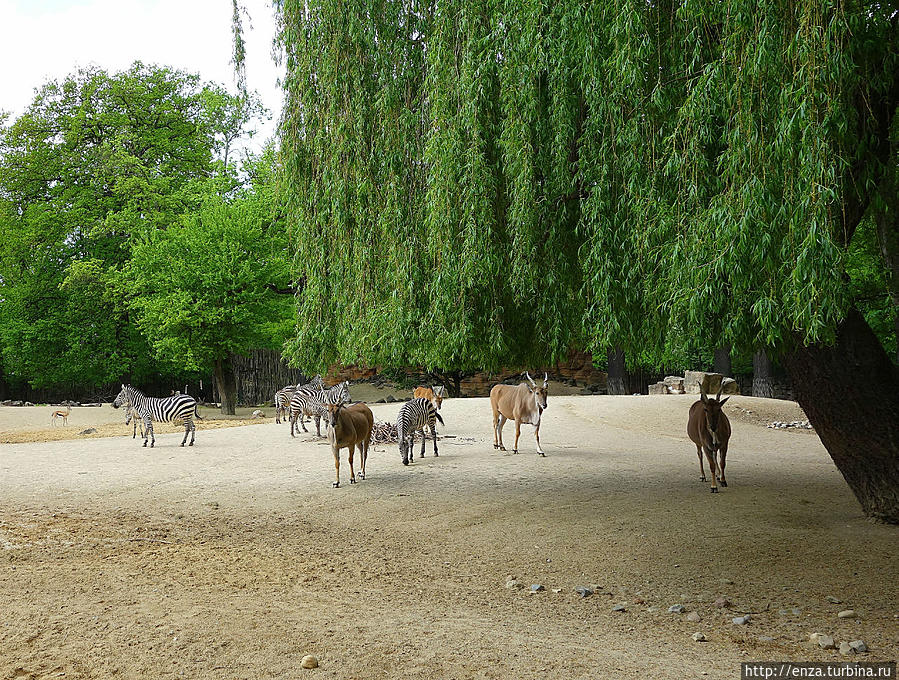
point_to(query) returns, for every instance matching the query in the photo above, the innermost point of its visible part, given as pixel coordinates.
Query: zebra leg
(434, 435)
(423, 439)
(193, 432)
(149, 431)
(186, 430)
(318, 433)
(303, 421)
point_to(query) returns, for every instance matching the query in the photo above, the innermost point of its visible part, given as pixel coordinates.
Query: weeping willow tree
(476, 184)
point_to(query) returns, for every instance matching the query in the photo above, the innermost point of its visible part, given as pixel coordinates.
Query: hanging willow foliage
(478, 183)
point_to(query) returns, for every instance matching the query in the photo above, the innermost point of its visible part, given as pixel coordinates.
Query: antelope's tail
(197, 413)
(439, 418)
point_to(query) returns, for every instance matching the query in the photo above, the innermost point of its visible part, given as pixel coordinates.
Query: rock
(794, 611)
(557, 590)
(741, 620)
(698, 637)
(825, 642)
(652, 610)
(28, 403)
(390, 399)
(833, 600)
(727, 582)
(858, 646)
(513, 584)
(845, 649)
(658, 388)
(813, 637)
(847, 614)
(309, 661)
(619, 608)
(710, 382)
(675, 382)
(583, 591)
(90, 430)
(677, 609)
(729, 386)
(258, 414)
(693, 617)
(537, 588)
(722, 602)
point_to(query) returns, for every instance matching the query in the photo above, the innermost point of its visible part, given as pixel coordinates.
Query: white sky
(48, 39)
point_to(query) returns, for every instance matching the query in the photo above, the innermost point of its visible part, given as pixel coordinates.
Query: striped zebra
(416, 415)
(165, 410)
(131, 415)
(282, 397)
(314, 402)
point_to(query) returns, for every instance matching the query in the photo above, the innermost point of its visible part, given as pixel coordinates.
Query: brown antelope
(64, 415)
(709, 429)
(349, 427)
(432, 394)
(522, 403)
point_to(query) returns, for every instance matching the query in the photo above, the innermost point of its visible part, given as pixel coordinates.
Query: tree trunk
(721, 362)
(227, 384)
(452, 380)
(762, 376)
(618, 383)
(848, 391)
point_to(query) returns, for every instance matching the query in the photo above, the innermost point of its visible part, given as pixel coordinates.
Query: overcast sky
(48, 39)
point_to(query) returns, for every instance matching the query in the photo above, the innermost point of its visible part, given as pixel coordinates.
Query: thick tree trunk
(618, 383)
(848, 391)
(722, 361)
(227, 384)
(762, 376)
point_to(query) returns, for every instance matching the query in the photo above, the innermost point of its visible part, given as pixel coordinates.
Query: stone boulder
(729, 386)
(710, 382)
(658, 388)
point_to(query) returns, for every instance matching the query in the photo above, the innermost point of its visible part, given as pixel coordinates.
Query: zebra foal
(165, 410)
(416, 415)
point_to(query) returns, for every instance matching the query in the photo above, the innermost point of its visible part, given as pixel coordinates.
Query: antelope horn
(530, 380)
(718, 396)
(702, 393)
(545, 379)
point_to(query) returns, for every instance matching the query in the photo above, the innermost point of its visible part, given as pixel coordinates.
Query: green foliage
(477, 183)
(200, 291)
(99, 161)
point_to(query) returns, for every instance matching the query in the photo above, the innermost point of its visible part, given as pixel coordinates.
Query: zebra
(314, 402)
(282, 396)
(131, 415)
(168, 409)
(415, 415)
(282, 401)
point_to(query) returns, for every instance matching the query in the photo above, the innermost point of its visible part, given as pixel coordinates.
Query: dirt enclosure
(235, 558)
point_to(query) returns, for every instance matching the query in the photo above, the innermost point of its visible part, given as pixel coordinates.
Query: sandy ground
(235, 558)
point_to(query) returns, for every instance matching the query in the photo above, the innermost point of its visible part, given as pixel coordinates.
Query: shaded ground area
(235, 558)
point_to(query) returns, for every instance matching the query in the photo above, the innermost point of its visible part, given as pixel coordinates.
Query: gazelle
(56, 415)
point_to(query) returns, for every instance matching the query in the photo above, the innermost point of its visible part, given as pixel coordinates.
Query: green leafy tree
(97, 161)
(479, 184)
(213, 286)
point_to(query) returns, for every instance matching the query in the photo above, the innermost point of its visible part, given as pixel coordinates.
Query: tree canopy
(98, 167)
(481, 183)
